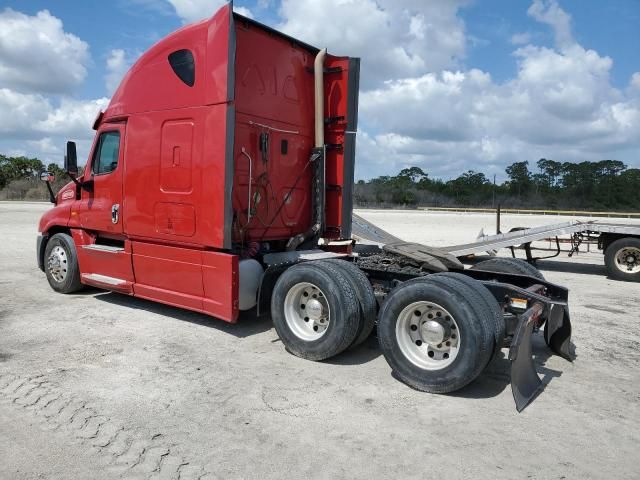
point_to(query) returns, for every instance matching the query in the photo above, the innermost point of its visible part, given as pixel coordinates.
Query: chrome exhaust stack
(317, 159)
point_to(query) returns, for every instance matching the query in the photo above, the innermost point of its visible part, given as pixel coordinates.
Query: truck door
(104, 255)
(100, 206)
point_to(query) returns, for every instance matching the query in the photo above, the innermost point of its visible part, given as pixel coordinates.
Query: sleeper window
(106, 158)
(183, 66)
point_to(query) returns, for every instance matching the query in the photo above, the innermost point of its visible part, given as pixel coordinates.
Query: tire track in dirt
(127, 452)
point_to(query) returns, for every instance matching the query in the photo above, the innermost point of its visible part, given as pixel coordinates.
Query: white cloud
(40, 64)
(37, 127)
(117, 64)
(394, 39)
(46, 146)
(72, 118)
(37, 55)
(19, 111)
(549, 12)
(520, 38)
(634, 83)
(193, 10)
(561, 104)
(32, 115)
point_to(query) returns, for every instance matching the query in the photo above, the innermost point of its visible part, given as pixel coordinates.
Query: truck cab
(204, 161)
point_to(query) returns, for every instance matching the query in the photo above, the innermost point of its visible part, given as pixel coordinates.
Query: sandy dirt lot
(99, 385)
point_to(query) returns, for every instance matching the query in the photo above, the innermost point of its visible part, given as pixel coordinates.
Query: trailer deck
(511, 239)
(619, 241)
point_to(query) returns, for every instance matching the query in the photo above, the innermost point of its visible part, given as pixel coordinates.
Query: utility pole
(493, 200)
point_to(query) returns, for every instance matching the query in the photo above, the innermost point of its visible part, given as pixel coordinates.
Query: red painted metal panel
(113, 264)
(94, 209)
(220, 279)
(172, 269)
(152, 85)
(56, 216)
(175, 299)
(219, 55)
(274, 101)
(186, 208)
(336, 87)
(199, 280)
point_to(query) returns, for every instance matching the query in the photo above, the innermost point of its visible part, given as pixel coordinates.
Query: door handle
(115, 209)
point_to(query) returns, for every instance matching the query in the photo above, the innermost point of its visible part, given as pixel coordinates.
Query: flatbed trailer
(620, 242)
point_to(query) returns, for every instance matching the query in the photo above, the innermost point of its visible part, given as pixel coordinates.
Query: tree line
(20, 178)
(602, 185)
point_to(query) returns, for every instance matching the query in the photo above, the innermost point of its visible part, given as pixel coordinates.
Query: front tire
(622, 259)
(61, 264)
(315, 311)
(434, 336)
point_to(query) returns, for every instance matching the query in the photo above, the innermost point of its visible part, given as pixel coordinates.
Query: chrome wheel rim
(428, 335)
(306, 311)
(628, 260)
(57, 264)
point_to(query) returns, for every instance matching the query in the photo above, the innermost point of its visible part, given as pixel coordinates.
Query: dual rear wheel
(321, 308)
(437, 333)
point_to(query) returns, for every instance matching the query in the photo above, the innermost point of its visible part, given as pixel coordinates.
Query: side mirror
(47, 177)
(71, 159)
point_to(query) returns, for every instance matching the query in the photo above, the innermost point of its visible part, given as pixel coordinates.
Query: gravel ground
(100, 385)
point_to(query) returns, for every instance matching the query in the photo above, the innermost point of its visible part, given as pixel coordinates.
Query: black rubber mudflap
(525, 382)
(557, 332)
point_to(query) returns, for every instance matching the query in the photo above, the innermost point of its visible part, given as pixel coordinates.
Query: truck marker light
(519, 303)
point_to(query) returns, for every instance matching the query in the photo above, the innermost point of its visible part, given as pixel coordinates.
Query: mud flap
(557, 331)
(525, 382)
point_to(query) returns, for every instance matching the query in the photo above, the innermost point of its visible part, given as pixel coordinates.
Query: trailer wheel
(622, 259)
(491, 305)
(509, 265)
(315, 311)
(366, 297)
(61, 264)
(436, 338)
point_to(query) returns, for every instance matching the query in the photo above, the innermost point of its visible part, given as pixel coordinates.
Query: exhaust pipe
(318, 73)
(317, 159)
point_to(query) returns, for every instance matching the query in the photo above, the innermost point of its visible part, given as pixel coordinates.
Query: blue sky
(452, 65)
(610, 27)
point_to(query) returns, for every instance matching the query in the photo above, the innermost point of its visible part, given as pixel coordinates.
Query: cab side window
(105, 158)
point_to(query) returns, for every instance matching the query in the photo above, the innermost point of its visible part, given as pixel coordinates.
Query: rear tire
(491, 305)
(423, 348)
(509, 265)
(315, 311)
(61, 264)
(622, 259)
(366, 297)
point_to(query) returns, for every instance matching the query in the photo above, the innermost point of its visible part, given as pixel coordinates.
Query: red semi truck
(220, 180)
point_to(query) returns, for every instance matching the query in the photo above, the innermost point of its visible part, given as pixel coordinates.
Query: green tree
(519, 178)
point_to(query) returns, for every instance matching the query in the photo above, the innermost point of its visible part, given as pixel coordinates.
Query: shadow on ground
(363, 353)
(248, 322)
(567, 266)
(497, 376)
